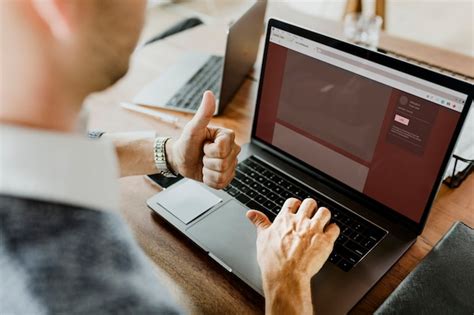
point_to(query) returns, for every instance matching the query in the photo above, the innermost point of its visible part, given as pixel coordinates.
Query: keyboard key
(239, 175)
(260, 199)
(346, 231)
(258, 168)
(341, 239)
(297, 192)
(253, 205)
(256, 186)
(267, 174)
(244, 188)
(279, 201)
(243, 168)
(285, 184)
(243, 198)
(248, 181)
(276, 209)
(278, 180)
(272, 196)
(348, 221)
(233, 191)
(368, 243)
(263, 191)
(345, 265)
(347, 254)
(236, 184)
(270, 185)
(269, 205)
(359, 228)
(334, 258)
(251, 193)
(285, 194)
(356, 248)
(278, 190)
(357, 237)
(375, 233)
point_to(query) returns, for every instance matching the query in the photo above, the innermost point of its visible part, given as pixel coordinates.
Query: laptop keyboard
(260, 186)
(208, 77)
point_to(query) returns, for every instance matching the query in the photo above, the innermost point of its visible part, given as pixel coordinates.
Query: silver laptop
(366, 135)
(181, 86)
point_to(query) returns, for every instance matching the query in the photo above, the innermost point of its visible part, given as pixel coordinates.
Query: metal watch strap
(161, 162)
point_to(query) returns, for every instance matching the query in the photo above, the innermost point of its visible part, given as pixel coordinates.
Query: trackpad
(187, 200)
(231, 237)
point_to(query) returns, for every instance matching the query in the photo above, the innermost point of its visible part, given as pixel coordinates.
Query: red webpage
(377, 139)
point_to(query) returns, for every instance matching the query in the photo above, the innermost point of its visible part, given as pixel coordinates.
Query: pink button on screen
(402, 120)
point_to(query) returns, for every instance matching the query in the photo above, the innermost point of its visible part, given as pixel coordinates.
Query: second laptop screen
(365, 125)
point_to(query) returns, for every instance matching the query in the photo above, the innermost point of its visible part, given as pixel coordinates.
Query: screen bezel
(382, 59)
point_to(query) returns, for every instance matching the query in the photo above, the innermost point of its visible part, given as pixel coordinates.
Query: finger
(291, 205)
(205, 112)
(224, 164)
(217, 180)
(332, 231)
(321, 218)
(258, 219)
(307, 208)
(222, 144)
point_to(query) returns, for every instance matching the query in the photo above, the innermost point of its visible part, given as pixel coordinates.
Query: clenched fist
(204, 153)
(290, 251)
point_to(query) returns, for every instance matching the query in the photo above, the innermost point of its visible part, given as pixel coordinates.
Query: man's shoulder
(62, 253)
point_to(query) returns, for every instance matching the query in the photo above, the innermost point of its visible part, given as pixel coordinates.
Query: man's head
(61, 50)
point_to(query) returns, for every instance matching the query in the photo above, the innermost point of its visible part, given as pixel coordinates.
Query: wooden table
(202, 285)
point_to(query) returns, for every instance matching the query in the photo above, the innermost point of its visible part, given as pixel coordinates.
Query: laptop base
(334, 291)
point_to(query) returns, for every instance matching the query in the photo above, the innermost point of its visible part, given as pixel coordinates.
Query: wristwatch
(161, 162)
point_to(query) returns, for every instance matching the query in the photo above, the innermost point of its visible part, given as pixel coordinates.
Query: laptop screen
(378, 130)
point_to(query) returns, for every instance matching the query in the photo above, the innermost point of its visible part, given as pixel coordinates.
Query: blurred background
(448, 24)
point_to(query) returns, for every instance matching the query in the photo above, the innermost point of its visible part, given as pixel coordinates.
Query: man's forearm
(288, 297)
(134, 152)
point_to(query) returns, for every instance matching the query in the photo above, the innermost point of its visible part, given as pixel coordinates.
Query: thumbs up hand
(204, 153)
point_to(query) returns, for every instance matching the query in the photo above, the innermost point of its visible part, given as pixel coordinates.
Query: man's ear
(54, 13)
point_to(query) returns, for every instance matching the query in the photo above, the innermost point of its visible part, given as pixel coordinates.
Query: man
(60, 250)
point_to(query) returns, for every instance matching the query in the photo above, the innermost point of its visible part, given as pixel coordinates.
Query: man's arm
(290, 251)
(134, 152)
(201, 152)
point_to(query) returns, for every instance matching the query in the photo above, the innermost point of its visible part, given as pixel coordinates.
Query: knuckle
(221, 180)
(225, 164)
(219, 165)
(206, 161)
(221, 150)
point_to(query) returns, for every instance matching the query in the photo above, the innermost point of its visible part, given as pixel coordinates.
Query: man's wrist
(170, 156)
(288, 295)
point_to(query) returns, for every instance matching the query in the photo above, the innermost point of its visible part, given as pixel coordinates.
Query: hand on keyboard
(204, 153)
(290, 251)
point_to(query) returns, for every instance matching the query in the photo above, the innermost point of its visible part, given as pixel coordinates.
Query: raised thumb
(205, 112)
(258, 219)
